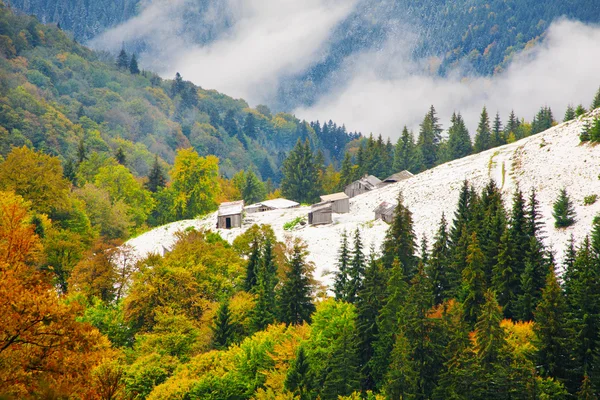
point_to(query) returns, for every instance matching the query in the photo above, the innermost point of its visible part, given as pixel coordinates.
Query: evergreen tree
(400, 377)
(594, 131)
(497, 138)
(388, 323)
(586, 392)
(223, 329)
(298, 379)
(563, 211)
(370, 302)
(405, 157)
(342, 377)
(252, 267)
(459, 140)
(491, 225)
(473, 280)
(177, 86)
(569, 114)
(483, 137)
(439, 262)
(81, 152)
(70, 171)
(229, 123)
(399, 242)
(341, 278)
(534, 224)
(156, 177)
(300, 175)
(264, 310)
(295, 300)
(512, 126)
(346, 172)
(542, 121)
(505, 282)
(429, 139)
(596, 101)
(123, 59)
(250, 126)
(356, 270)
(253, 190)
(490, 337)
(553, 333)
(463, 214)
(120, 156)
(133, 65)
(584, 136)
(580, 110)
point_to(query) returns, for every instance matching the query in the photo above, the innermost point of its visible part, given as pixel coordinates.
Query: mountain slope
(548, 162)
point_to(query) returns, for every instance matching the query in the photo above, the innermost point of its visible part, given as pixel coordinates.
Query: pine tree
(596, 101)
(534, 226)
(295, 300)
(229, 123)
(346, 172)
(253, 190)
(473, 280)
(356, 270)
(594, 131)
(563, 211)
(252, 267)
(81, 152)
(429, 139)
(505, 282)
(569, 114)
(264, 311)
(120, 156)
(491, 225)
(439, 263)
(368, 307)
(400, 377)
(177, 87)
(300, 175)
(298, 379)
(497, 138)
(156, 177)
(405, 157)
(519, 235)
(489, 335)
(459, 140)
(512, 125)
(580, 110)
(123, 59)
(584, 136)
(399, 242)
(133, 65)
(483, 135)
(342, 376)
(250, 126)
(542, 121)
(553, 332)
(341, 278)
(223, 329)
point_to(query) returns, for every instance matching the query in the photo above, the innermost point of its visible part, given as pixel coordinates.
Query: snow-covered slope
(548, 161)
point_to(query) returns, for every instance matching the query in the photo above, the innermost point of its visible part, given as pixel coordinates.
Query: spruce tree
(223, 329)
(295, 300)
(534, 225)
(491, 226)
(400, 377)
(253, 190)
(563, 211)
(356, 270)
(497, 138)
(341, 278)
(505, 282)
(580, 110)
(300, 175)
(512, 125)
(584, 135)
(346, 173)
(252, 267)
(120, 156)
(229, 123)
(298, 379)
(342, 377)
(264, 312)
(123, 59)
(569, 114)
(368, 307)
(554, 335)
(250, 126)
(156, 177)
(81, 152)
(596, 101)
(405, 157)
(177, 87)
(70, 171)
(133, 65)
(473, 280)
(439, 264)
(490, 336)
(399, 242)
(586, 391)
(429, 139)
(459, 140)
(483, 135)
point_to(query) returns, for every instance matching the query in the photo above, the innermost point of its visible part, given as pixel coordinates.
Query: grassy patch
(288, 226)
(589, 200)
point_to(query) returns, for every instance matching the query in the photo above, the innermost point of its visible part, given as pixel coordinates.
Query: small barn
(340, 202)
(320, 213)
(230, 215)
(269, 205)
(385, 212)
(397, 177)
(363, 185)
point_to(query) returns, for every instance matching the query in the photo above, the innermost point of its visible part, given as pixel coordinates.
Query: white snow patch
(548, 161)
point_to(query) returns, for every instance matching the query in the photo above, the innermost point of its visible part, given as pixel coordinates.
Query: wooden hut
(397, 177)
(230, 215)
(269, 205)
(340, 202)
(363, 185)
(385, 212)
(320, 213)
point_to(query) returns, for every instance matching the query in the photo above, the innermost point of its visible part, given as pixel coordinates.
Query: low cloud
(256, 43)
(385, 90)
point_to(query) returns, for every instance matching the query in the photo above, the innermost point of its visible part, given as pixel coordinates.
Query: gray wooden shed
(320, 213)
(397, 177)
(385, 212)
(340, 202)
(230, 215)
(363, 185)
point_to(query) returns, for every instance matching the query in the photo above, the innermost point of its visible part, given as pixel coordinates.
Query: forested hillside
(58, 96)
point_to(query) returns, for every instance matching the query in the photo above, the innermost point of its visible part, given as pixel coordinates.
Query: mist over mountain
(376, 65)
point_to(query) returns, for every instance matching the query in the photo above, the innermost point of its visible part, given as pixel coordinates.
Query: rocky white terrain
(547, 161)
